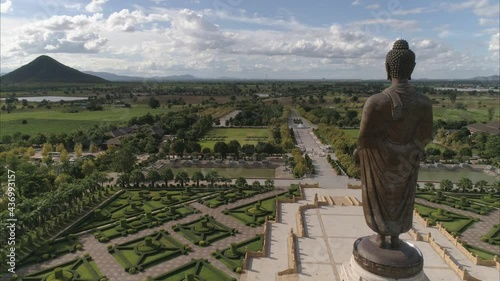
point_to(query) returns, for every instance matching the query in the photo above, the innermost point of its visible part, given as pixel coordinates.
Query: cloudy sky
(253, 38)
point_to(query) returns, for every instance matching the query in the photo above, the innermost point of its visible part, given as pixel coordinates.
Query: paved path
(472, 234)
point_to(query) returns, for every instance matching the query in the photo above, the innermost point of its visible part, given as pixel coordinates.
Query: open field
(353, 133)
(57, 121)
(232, 172)
(242, 135)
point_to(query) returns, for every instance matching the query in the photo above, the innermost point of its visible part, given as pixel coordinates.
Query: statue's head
(400, 61)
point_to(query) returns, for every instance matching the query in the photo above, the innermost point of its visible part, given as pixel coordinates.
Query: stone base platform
(370, 262)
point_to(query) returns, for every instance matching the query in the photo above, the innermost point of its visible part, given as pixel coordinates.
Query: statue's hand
(356, 156)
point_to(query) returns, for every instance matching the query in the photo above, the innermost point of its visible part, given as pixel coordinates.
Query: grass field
(353, 133)
(242, 135)
(57, 121)
(232, 172)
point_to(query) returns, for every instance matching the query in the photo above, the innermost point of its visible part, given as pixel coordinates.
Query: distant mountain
(124, 78)
(492, 78)
(115, 78)
(47, 69)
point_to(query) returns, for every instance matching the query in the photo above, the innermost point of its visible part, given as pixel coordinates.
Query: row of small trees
(465, 185)
(137, 177)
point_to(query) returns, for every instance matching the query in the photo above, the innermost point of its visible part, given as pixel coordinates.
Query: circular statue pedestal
(371, 263)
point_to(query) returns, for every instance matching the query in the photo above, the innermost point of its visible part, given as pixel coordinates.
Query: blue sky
(251, 39)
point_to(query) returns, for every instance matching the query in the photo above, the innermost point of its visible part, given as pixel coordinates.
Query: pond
(455, 176)
(49, 98)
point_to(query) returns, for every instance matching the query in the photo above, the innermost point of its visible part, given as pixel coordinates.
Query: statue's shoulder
(423, 99)
(377, 101)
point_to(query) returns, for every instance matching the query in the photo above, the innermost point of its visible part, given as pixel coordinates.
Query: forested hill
(47, 69)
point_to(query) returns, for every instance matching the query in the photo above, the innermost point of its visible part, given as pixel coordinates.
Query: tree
(429, 185)
(212, 176)
(233, 147)
(60, 147)
(222, 148)
(465, 184)
(182, 177)
(124, 160)
(241, 182)
(64, 156)
(178, 147)
(269, 183)
(30, 151)
(167, 175)
(197, 177)
(93, 148)
(136, 176)
(448, 154)
(453, 96)
(46, 148)
(481, 185)
(153, 103)
(491, 113)
(88, 167)
(446, 185)
(78, 149)
(153, 176)
(256, 185)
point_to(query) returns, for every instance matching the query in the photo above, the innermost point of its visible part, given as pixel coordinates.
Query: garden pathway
(473, 233)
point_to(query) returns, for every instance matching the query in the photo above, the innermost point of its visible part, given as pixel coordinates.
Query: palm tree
(182, 177)
(153, 176)
(269, 183)
(446, 185)
(197, 177)
(481, 186)
(166, 175)
(212, 176)
(465, 184)
(136, 176)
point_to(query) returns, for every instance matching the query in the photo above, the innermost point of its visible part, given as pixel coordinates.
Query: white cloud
(373, 7)
(443, 31)
(356, 2)
(95, 6)
(482, 8)
(494, 43)
(485, 21)
(414, 11)
(128, 21)
(6, 7)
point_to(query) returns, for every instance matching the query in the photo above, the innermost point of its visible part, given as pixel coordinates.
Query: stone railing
(294, 199)
(293, 266)
(301, 232)
(259, 254)
(471, 257)
(420, 219)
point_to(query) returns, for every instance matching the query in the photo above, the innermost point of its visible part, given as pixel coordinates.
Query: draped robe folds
(390, 146)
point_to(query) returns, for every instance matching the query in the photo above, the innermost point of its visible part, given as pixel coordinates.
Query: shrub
(79, 247)
(238, 270)
(109, 246)
(202, 243)
(103, 239)
(132, 270)
(45, 257)
(14, 277)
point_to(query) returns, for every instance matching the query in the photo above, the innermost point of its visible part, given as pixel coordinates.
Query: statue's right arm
(367, 126)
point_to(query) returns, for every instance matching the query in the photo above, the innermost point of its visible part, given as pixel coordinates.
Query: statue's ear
(388, 70)
(414, 64)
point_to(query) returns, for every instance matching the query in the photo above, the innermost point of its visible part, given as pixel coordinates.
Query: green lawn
(198, 268)
(232, 172)
(57, 121)
(353, 133)
(242, 135)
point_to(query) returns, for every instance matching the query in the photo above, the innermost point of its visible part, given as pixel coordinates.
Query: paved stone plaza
(329, 237)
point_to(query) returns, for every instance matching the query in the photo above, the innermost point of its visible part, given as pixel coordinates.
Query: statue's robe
(395, 127)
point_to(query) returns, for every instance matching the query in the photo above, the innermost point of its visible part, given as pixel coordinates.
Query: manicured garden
(83, 268)
(260, 173)
(147, 251)
(243, 136)
(493, 236)
(233, 256)
(132, 203)
(204, 231)
(255, 213)
(452, 222)
(194, 271)
(147, 220)
(51, 250)
(479, 204)
(230, 196)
